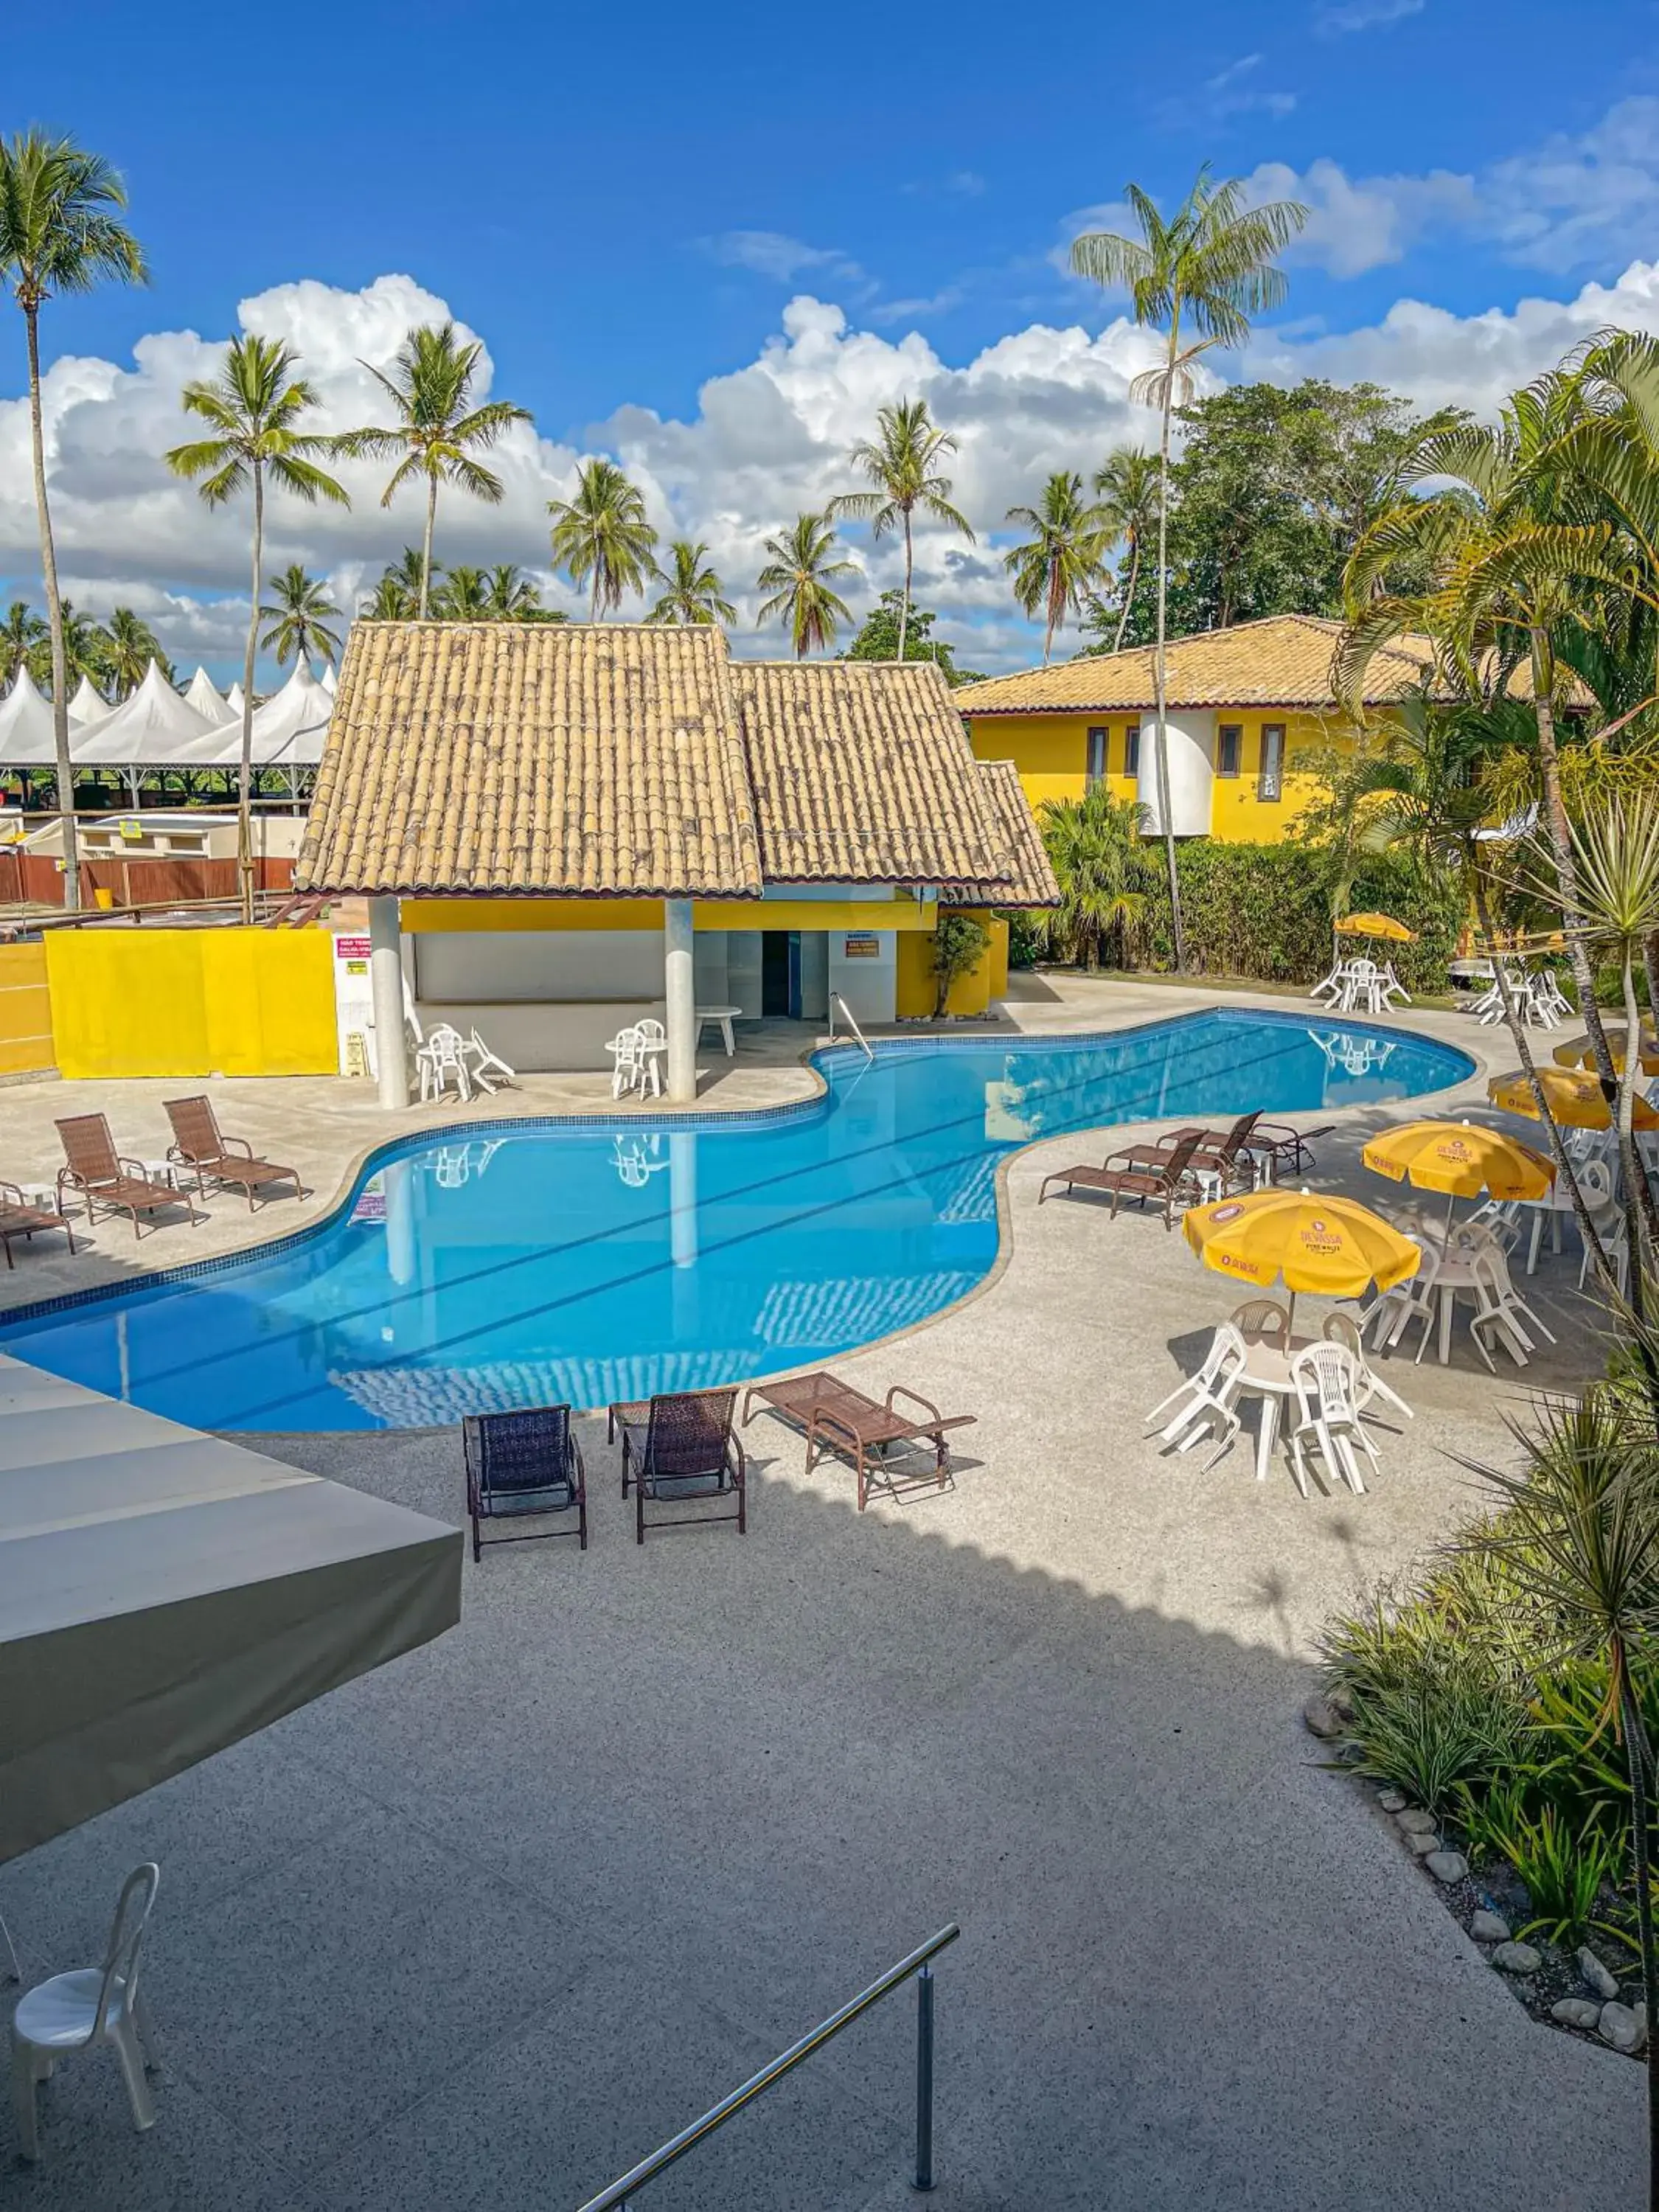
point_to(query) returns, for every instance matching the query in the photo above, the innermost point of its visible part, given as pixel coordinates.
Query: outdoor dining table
(722, 1017)
(1267, 1373)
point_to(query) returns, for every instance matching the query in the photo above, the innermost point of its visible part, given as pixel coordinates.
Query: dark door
(774, 971)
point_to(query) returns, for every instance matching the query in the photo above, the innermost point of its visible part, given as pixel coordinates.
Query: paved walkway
(484, 1927)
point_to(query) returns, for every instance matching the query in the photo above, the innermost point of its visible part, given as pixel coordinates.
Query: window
(1132, 749)
(1228, 743)
(1095, 760)
(1272, 780)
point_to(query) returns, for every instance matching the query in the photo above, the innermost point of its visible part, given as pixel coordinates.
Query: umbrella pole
(1451, 1203)
(1290, 1326)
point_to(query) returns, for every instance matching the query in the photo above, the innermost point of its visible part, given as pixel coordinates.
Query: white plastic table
(722, 1016)
(1267, 1374)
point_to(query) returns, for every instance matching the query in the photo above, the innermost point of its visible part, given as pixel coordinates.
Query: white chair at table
(1206, 1401)
(442, 1055)
(1392, 987)
(1364, 991)
(1595, 1180)
(628, 1064)
(653, 1045)
(1331, 987)
(1499, 1307)
(1342, 1328)
(89, 2006)
(1327, 1380)
(486, 1066)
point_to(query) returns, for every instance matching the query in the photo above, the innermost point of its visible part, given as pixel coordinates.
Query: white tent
(201, 693)
(152, 727)
(288, 730)
(86, 705)
(26, 730)
(328, 681)
(233, 699)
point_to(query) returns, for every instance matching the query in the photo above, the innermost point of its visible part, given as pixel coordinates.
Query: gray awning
(163, 1593)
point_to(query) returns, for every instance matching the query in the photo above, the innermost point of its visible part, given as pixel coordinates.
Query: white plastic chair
(1206, 1399)
(486, 1066)
(1392, 987)
(442, 1055)
(1326, 1378)
(1499, 1307)
(653, 1044)
(1614, 1233)
(1342, 1328)
(1264, 1318)
(89, 2006)
(1329, 988)
(627, 1066)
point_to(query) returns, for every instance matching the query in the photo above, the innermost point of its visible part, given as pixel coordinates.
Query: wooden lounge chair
(681, 1446)
(1286, 1149)
(1167, 1185)
(524, 1462)
(1223, 1153)
(20, 1218)
(103, 1177)
(838, 1418)
(196, 1145)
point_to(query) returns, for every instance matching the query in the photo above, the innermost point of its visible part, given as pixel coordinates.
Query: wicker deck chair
(521, 1463)
(838, 1418)
(1167, 1187)
(681, 1446)
(18, 1217)
(1285, 1149)
(1223, 1153)
(103, 1177)
(196, 1145)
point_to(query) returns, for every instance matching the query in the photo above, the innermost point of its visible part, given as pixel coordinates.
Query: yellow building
(1245, 708)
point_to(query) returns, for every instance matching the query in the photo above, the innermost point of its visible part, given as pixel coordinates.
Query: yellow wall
(192, 1001)
(25, 1043)
(918, 986)
(1052, 751)
(902, 911)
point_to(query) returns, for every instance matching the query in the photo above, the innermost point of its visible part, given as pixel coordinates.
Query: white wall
(1192, 775)
(743, 970)
(870, 986)
(538, 965)
(814, 975)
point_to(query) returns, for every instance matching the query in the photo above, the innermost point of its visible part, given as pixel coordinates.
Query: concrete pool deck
(484, 1927)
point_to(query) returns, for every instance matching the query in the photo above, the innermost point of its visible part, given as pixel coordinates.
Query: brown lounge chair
(198, 1147)
(525, 1461)
(1284, 1148)
(1224, 1153)
(103, 1177)
(1170, 1186)
(838, 1418)
(19, 1219)
(679, 1446)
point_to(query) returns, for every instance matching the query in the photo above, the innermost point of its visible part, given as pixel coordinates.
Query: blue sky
(623, 206)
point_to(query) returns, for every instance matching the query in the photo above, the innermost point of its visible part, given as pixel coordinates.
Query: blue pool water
(587, 1262)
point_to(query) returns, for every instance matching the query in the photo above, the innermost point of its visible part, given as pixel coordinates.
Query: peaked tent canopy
(26, 727)
(327, 679)
(233, 700)
(152, 727)
(88, 705)
(203, 695)
(288, 729)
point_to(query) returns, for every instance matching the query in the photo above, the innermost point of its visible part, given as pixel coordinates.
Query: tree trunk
(593, 596)
(1639, 1759)
(1639, 1218)
(60, 724)
(904, 604)
(1160, 681)
(426, 545)
(1567, 867)
(245, 781)
(1128, 593)
(1650, 960)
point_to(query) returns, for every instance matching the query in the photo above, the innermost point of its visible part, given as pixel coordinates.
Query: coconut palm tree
(86, 653)
(254, 408)
(799, 576)
(900, 463)
(1127, 488)
(299, 614)
(602, 538)
(398, 594)
(510, 595)
(129, 646)
(438, 432)
(464, 597)
(1211, 267)
(60, 231)
(1059, 564)
(696, 596)
(22, 633)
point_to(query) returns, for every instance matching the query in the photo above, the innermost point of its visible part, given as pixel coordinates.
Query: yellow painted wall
(192, 1001)
(917, 987)
(1237, 815)
(26, 1041)
(1051, 751)
(470, 915)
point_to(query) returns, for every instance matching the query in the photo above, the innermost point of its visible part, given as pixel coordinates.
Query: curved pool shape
(538, 1263)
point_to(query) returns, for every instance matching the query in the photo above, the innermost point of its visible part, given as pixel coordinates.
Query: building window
(1095, 768)
(1132, 749)
(1228, 743)
(1271, 784)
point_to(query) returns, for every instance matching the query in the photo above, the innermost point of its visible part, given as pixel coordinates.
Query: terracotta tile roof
(863, 774)
(1029, 880)
(505, 756)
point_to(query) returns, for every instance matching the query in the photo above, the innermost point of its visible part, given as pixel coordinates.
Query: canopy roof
(26, 727)
(288, 729)
(86, 705)
(164, 1594)
(202, 693)
(153, 725)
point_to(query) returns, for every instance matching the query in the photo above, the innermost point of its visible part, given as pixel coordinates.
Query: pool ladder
(837, 999)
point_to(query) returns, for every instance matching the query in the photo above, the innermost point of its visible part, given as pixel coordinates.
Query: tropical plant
(130, 646)
(1565, 1872)
(1210, 266)
(438, 432)
(959, 944)
(23, 635)
(878, 638)
(509, 594)
(398, 594)
(602, 538)
(86, 653)
(464, 597)
(60, 231)
(1126, 489)
(1059, 564)
(901, 463)
(800, 575)
(299, 613)
(1094, 845)
(696, 596)
(253, 409)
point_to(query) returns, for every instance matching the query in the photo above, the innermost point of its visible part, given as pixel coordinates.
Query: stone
(1340, 1701)
(1517, 1958)
(1320, 1720)
(1576, 2012)
(1596, 1975)
(1392, 1800)
(1623, 2027)
(1424, 1845)
(1416, 1822)
(1448, 1866)
(1491, 1928)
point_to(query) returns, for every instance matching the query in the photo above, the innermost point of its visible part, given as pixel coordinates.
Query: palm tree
(299, 615)
(86, 653)
(696, 596)
(59, 232)
(900, 463)
(602, 538)
(464, 597)
(1211, 265)
(398, 594)
(1094, 845)
(129, 646)
(253, 407)
(22, 633)
(1054, 569)
(799, 576)
(509, 594)
(438, 432)
(1126, 487)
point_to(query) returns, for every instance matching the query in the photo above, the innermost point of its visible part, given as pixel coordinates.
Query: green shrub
(1025, 945)
(1565, 1872)
(1429, 1736)
(1609, 986)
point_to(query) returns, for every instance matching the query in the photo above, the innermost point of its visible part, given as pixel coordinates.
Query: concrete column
(386, 975)
(680, 991)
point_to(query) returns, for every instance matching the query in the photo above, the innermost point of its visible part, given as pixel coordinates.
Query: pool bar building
(561, 829)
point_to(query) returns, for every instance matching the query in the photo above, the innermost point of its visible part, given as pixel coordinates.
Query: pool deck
(485, 1926)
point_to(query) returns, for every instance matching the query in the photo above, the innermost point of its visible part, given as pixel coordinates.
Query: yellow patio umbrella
(1574, 1100)
(1334, 1247)
(1461, 1159)
(1376, 924)
(1578, 1052)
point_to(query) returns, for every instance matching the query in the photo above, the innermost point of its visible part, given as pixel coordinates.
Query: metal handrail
(837, 999)
(615, 2199)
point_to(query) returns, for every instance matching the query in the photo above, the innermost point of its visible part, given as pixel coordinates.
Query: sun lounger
(19, 1218)
(680, 1446)
(103, 1177)
(1284, 1149)
(1169, 1186)
(198, 1147)
(525, 1461)
(1223, 1153)
(837, 1417)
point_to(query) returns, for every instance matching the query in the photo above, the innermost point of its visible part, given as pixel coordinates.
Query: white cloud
(774, 253)
(1234, 90)
(1345, 16)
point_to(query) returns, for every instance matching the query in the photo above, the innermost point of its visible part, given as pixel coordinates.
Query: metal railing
(615, 2199)
(837, 999)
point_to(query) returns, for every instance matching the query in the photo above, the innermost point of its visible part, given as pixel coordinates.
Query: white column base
(680, 1016)
(386, 975)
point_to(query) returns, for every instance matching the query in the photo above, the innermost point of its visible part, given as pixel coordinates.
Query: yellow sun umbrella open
(1574, 1100)
(1333, 1246)
(1578, 1052)
(1376, 924)
(1460, 1160)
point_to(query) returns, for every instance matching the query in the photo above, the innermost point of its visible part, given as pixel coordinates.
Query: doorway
(780, 973)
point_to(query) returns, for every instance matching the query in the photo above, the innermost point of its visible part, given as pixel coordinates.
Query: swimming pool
(536, 1262)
